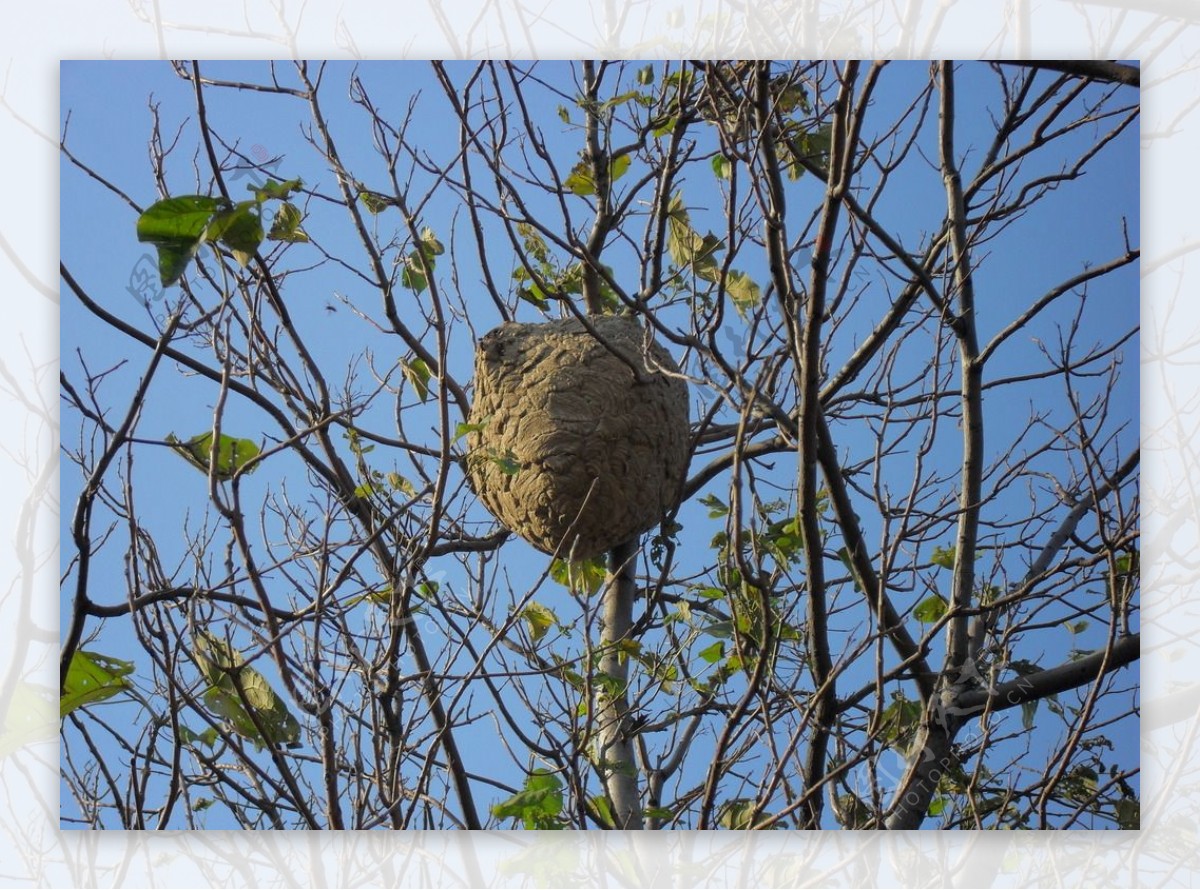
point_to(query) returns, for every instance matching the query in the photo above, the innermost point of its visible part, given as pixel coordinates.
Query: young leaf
(665, 127)
(581, 182)
(236, 690)
(716, 507)
(540, 619)
(177, 226)
(601, 811)
(208, 738)
(584, 576)
(743, 291)
(737, 815)
(92, 677)
(931, 609)
(507, 462)
(722, 166)
(714, 653)
(463, 428)
(238, 228)
(533, 294)
(400, 484)
(537, 805)
(898, 723)
(232, 454)
(687, 247)
(417, 373)
(414, 275)
(374, 201)
(429, 245)
(943, 557)
(286, 225)
(280, 191)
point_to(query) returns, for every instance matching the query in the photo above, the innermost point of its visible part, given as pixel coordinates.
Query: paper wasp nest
(574, 451)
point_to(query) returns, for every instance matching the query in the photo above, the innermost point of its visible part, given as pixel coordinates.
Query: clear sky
(107, 114)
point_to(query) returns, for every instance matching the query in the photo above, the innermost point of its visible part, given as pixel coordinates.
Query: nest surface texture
(583, 435)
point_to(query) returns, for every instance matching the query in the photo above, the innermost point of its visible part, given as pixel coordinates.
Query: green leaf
(236, 691)
(852, 812)
(785, 538)
(716, 507)
(714, 653)
(535, 245)
(618, 167)
(419, 264)
(743, 290)
(533, 294)
(417, 373)
(400, 484)
(899, 722)
(177, 226)
(627, 649)
(232, 453)
(413, 276)
(430, 245)
(688, 249)
(630, 96)
(943, 556)
(600, 809)
(286, 225)
(580, 180)
(931, 609)
(507, 462)
(280, 191)
(583, 183)
(238, 228)
(208, 738)
(374, 201)
(92, 677)
(582, 576)
(819, 143)
(722, 166)
(737, 815)
(720, 629)
(540, 619)
(538, 805)
(666, 127)
(463, 428)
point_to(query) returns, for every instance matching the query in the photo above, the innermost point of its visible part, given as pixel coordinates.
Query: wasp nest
(580, 439)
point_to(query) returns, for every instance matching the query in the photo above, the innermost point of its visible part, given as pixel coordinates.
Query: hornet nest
(579, 437)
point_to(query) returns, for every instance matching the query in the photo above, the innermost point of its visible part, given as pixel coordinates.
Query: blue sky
(109, 124)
